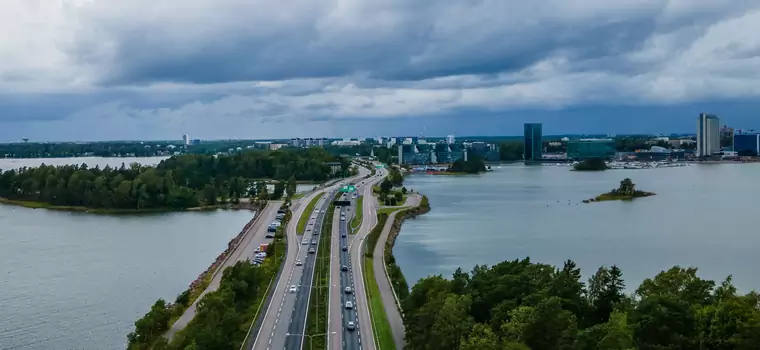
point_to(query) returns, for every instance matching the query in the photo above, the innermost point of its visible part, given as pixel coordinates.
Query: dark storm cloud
(418, 42)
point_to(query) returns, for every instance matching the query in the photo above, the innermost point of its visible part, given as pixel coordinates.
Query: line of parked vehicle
(261, 251)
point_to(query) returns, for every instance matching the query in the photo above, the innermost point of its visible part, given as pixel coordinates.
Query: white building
(186, 139)
(450, 139)
(708, 134)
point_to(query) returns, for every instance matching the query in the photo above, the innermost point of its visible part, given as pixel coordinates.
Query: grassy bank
(618, 197)
(307, 213)
(356, 221)
(316, 321)
(380, 325)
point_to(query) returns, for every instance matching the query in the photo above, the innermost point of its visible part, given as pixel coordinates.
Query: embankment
(398, 282)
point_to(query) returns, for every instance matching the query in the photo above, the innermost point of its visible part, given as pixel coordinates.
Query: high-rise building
(533, 142)
(747, 144)
(186, 139)
(708, 134)
(450, 139)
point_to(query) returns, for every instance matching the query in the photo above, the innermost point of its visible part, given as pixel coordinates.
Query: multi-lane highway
(356, 253)
(285, 318)
(255, 236)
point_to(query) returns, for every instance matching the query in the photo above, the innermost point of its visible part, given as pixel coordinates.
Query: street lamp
(310, 336)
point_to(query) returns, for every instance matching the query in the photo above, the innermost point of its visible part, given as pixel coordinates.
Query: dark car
(344, 268)
(345, 248)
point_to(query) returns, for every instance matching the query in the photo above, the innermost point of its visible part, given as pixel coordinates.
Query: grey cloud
(392, 40)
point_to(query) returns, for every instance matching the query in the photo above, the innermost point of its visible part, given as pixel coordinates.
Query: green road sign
(349, 188)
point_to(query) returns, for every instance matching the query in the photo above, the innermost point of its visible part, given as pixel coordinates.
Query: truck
(263, 247)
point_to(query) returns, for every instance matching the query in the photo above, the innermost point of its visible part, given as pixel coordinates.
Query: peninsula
(626, 191)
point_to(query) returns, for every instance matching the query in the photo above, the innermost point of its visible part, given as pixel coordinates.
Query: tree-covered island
(177, 183)
(473, 165)
(626, 191)
(591, 164)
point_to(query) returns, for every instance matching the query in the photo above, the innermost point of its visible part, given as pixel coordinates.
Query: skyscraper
(450, 139)
(186, 139)
(708, 134)
(533, 142)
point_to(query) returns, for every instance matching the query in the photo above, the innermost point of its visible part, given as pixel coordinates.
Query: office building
(747, 144)
(708, 135)
(450, 139)
(590, 148)
(533, 142)
(186, 139)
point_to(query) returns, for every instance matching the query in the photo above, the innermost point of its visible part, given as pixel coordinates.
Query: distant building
(262, 144)
(590, 148)
(708, 135)
(727, 133)
(186, 139)
(450, 139)
(533, 142)
(747, 143)
(657, 153)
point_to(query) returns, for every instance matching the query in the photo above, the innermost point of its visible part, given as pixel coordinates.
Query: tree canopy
(473, 165)
(178, 182)
(524, 305)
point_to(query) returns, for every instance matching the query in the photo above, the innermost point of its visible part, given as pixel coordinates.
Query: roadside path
(244, 250)
(383, 282)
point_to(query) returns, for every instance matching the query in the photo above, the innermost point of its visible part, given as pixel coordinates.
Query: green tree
(291, 187)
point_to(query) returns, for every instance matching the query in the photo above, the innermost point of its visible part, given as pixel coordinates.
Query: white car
(299, 263)
(293, 289)
(349, 305)
(350, 325)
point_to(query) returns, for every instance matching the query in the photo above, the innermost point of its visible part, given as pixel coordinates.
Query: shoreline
(117, 211)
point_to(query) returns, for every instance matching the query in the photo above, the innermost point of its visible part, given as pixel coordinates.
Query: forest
(179, 182)
(524, 305)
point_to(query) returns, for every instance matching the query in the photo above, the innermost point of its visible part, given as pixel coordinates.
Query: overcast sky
(147, 69)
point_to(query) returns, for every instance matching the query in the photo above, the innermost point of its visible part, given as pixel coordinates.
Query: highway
(356, 253)
(285, 317)
(255, 236)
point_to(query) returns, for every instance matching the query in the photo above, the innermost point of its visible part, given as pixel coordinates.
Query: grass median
(316, 321)
(356, 222)
(380, 325)
(304, 219)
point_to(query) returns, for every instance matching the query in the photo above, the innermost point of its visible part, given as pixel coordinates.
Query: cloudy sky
(146, 69)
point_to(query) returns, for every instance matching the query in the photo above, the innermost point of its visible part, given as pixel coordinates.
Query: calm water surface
(11, 163)
(703, 216)
(79, 281)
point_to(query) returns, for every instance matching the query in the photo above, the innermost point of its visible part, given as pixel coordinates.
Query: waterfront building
(708, 135)
(533, 142)
(590, 148)
(657, 153)
(748, 144)
(489, 152)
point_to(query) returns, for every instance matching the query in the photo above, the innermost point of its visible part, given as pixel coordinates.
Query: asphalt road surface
(335, 321)
(274, 332)
(244, 250)
(356, 253)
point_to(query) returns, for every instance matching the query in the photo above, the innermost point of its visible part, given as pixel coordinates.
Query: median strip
(304, 219)
(316, 321)
(356, 222)
(381, 328)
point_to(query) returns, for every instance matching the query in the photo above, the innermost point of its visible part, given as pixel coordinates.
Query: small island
(626, 191)
(591, 164)
(473, 165)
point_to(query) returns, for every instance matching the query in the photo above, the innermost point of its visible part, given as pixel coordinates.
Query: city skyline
(83, 70)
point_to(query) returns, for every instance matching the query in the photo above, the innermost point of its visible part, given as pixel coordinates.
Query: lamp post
(310, 336)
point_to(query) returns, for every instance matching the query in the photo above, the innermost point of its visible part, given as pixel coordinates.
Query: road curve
(381, 275)
(356, 249)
